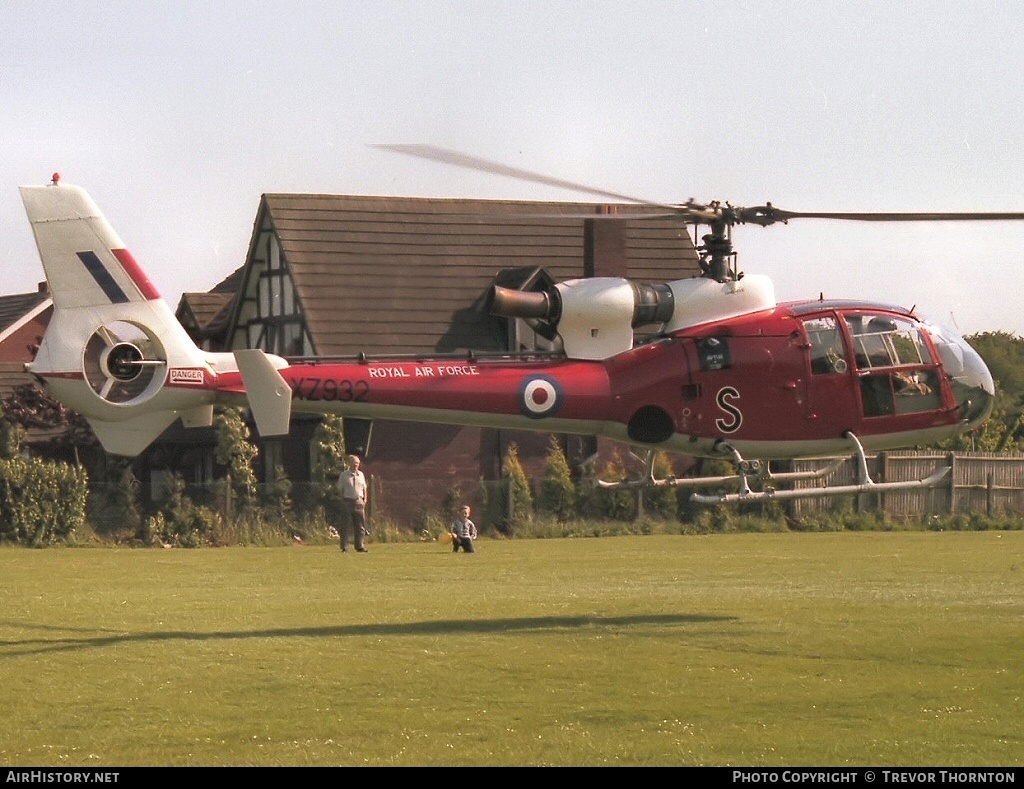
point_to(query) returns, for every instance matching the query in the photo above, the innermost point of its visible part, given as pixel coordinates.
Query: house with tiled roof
(23, 320)
(205, 315)
(338, 275)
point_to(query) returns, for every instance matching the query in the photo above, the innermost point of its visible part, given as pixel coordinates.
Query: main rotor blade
(456, 159)
(914, 216)
(691, 212)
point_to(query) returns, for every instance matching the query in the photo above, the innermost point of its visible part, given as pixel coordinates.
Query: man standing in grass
(463, 531)
(352, 485)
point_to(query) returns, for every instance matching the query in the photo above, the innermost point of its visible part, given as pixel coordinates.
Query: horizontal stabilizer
(270, 397)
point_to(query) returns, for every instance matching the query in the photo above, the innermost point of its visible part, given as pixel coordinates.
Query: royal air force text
(347, 390)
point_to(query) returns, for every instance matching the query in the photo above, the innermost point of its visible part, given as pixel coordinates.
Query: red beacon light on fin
(56, 179)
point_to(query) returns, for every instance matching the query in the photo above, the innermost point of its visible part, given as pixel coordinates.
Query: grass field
(754, 649)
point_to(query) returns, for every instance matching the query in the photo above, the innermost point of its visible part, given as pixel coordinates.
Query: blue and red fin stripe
(106, 281)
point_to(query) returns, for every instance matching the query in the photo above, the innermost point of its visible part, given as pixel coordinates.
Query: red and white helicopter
(729, 373)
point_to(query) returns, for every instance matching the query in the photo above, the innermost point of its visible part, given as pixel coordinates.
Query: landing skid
(758, 473)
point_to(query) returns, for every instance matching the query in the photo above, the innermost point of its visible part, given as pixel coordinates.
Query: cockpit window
(827, 354)
(884, 342)
(887, 341)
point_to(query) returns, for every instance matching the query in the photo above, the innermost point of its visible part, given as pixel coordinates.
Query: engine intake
(652, 304)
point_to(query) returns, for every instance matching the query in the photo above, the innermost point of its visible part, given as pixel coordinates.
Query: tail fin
(86, 263)
(113, 350)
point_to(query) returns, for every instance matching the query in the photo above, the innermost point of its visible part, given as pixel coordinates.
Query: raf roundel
(540, 396)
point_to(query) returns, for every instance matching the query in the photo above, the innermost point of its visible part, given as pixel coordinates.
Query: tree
(328, 462)
(328, 455)
(557, 489)
(517, 498)
(1003, 353)
(236, 451)
(31, 408)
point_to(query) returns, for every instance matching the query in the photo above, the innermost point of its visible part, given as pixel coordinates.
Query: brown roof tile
(205, 308)
(14, 308)
(385, 274)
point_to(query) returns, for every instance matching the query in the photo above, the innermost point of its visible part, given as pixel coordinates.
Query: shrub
(11, 436)
(114, 501)
(277, 496)
(691, 512)
(41, 502)
(182, 522)
(617, 504)
(661, 503)
(451, 502)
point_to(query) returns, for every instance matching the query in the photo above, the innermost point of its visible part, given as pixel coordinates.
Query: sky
(177, 116)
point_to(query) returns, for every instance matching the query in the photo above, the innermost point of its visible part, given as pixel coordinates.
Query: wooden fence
(979, 482)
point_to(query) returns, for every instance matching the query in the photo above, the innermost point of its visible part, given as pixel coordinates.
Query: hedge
(41, 501)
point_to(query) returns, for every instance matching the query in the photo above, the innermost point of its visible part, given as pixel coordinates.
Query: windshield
(971, 380)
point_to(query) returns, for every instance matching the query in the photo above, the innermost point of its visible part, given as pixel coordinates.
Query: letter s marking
(734, 418)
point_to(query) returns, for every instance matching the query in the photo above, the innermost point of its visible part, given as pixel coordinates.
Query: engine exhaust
(510, 303)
